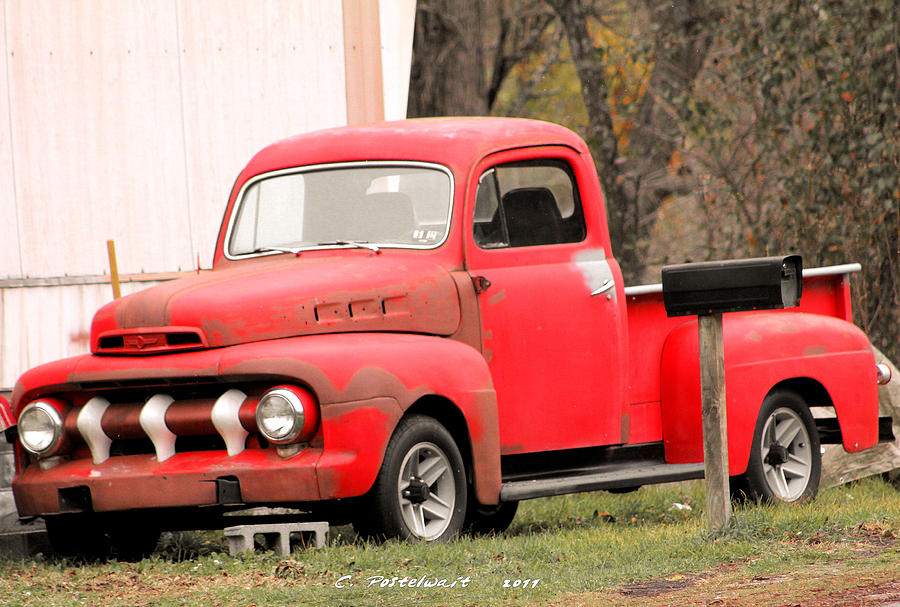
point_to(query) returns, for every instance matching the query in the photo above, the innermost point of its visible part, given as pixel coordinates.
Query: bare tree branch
(519, 36)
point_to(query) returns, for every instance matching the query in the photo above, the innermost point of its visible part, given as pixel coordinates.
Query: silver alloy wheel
(426, 490)
(786, 454)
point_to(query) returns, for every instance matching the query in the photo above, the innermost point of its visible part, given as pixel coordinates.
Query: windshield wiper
(353, 243)
(277, 250)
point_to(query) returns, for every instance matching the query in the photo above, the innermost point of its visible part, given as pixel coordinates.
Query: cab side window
(527, 204)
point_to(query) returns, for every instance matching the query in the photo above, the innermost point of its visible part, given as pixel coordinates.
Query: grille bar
(164, 420)
(90, 426)
(153, 422)
(226, 418)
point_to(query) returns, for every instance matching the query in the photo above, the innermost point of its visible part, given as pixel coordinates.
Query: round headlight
(40, 428)
(286, 414)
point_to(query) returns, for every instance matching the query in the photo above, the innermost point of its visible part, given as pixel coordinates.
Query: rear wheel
(785, 457)
(420, 492)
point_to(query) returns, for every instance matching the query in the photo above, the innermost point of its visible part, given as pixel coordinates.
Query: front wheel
(490, 520)
(94, 538)
(785, 458)
(420, 492)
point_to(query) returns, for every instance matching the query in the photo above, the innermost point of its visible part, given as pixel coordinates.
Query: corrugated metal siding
(253, 74)
(9, 231)
(130, 119)
(40, 324)
(97, 135)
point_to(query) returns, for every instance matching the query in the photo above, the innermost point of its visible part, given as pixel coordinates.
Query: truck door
(551, 302)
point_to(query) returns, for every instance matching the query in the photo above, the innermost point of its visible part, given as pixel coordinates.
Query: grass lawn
(650, 547)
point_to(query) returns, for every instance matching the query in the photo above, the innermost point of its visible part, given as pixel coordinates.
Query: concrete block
(24, 543)
(17, 539)
(9, 517)
(7, 467)
(277, 536)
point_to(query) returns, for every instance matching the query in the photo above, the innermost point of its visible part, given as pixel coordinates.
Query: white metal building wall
(130, 119)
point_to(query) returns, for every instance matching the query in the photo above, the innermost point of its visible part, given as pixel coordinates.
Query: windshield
(390, 205)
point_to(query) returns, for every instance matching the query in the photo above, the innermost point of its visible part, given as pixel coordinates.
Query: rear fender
(365, 382)
(762, 350)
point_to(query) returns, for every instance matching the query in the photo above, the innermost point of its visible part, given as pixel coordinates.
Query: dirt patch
(878, 533)
(652, 588)
(869, 578)
(885, 594)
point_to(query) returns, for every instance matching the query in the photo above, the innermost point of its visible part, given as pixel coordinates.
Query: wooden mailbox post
(708, 290)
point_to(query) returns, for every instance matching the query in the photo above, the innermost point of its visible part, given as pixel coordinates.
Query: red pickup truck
(412, 326)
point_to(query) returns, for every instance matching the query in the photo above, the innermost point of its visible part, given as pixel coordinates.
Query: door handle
(606, 286)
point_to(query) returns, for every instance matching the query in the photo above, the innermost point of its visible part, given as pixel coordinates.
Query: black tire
(785, 457)
(490, 520)
(77, 536)
(132, 540)
(420, 492)
(623, 490)
(94, 538)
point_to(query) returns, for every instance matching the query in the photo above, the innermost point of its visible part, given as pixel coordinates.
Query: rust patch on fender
(815, 351)
(480, 411)
(371, 382)
(312, 375)
(469, 331)
(357, 434)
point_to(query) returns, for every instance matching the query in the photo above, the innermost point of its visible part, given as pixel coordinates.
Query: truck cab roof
(454, 142)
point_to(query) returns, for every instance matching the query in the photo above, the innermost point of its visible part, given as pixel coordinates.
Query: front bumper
(186, 479)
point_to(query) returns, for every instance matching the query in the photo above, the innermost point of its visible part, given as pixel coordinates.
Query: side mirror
(765, 283)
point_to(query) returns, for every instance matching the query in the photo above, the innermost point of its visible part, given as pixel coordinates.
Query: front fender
(763, 349)
(365, 382)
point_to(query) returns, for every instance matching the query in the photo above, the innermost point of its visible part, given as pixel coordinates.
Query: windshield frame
(239, 201)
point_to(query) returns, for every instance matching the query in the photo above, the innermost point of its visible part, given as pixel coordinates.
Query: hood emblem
(140, 342)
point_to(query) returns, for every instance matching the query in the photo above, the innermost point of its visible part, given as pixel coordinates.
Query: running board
(616, 476)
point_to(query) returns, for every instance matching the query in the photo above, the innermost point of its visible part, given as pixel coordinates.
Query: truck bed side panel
(648, 327)
(826, 291)
(763, 349)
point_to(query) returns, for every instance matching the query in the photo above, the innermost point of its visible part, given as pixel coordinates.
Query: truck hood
(281, 297)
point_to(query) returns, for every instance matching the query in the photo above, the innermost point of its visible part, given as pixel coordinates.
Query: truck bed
(826, 291)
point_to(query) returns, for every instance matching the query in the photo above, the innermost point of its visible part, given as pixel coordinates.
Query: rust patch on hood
(815, 351)
(288, 297)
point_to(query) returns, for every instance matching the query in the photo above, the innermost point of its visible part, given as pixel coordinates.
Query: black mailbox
(765, 283)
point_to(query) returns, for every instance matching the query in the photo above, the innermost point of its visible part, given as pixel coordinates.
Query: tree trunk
(600, 136)
(682, 34)
(635, 185)
(447, 74)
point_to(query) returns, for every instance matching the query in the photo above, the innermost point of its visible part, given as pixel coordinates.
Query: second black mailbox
(764, 283)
